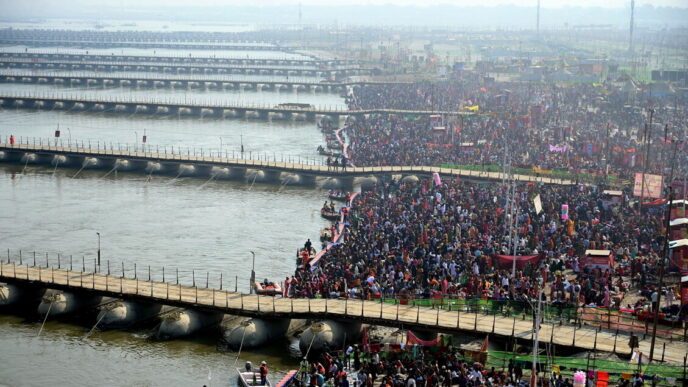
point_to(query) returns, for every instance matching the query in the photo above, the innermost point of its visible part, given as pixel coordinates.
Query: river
(189, 224)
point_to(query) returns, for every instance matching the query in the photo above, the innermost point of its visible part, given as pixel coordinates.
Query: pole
(665, 255)
(648, 133)
(536, 337)
(98, 248)
(253, 272)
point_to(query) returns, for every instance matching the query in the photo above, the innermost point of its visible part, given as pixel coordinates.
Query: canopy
(603, 259)
(678, 222)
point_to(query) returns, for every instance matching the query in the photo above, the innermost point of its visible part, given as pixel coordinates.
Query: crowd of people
(580, 129)
(454, 239)
(446, 366)
(422, 240)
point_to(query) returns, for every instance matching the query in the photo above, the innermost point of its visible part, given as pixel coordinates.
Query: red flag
(365, 337)
(483, 348)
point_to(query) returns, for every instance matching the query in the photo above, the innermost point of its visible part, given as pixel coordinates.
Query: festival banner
(651, 188)
(521, 260)
(412, 339)
(537, 202)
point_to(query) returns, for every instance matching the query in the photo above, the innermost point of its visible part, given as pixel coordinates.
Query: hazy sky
(544, 3)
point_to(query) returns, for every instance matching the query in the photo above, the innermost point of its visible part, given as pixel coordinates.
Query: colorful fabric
(413, 339)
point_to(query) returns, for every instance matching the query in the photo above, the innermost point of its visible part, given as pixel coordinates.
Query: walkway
(271, 165)
(371, 312)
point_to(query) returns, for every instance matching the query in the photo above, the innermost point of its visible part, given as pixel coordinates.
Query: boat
(326, 235)
(330, 153)
(250, 378)
(334, 145)
(338, 196)
(267, 288)
(329, 215)
(299, 256)
(294, 105)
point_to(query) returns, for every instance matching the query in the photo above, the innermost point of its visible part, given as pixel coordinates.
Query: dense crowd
(421, 240)
(415, 366)
(592, 129)
(454, 239)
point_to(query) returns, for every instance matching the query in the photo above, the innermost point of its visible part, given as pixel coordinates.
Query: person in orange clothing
(263, 373)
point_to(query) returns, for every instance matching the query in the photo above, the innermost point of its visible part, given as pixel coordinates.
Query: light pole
(136, 139)
(253, 273)
(98, 248)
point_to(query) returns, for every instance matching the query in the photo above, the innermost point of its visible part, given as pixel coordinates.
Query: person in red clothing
(263, 373)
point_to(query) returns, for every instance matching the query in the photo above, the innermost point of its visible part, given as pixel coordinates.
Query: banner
(537, 202)
(652, 186)
(412, 339)
(436, 178)
(521, 260)
(557, 148)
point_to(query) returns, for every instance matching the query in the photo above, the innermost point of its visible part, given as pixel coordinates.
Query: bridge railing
(19, 73)
(478, 311)
(108, 148)
(213, 65)
(181, 61)
(204, 279)
(182, 102)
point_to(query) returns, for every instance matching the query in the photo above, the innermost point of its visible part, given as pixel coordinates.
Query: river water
(193, 225)
(190, 96)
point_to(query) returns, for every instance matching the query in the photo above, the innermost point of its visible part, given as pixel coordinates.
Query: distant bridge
(51, 56)
(372, 312)
(181, 67)
(172, 81)
(175, 44)
(157, 107)
(214, 164)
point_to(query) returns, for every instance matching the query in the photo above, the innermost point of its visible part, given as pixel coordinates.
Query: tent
(679, 255)
(679, 228)
(602, 259)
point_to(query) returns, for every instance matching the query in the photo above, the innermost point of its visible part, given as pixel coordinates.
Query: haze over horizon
(469, 14)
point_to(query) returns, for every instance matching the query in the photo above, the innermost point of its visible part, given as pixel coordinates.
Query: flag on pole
(436, 178)
(483, 348)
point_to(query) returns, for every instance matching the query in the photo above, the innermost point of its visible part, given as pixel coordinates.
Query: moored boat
(329, 215)
(326, 235)
(338, 196)
(267, 288)
(250, 378)
(334, 145)
(303, 256)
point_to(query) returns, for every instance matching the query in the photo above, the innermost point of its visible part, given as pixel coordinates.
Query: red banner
(412, 339)
(521, 260)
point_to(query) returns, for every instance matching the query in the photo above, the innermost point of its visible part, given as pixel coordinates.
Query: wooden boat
(267, 288)
(324, 152)
(338, 196)
(326, 235)
(334, 145)
(327, 214)
(250, 378)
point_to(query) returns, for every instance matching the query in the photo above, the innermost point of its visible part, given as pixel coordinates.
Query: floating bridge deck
(264, 165)
(372, 312)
